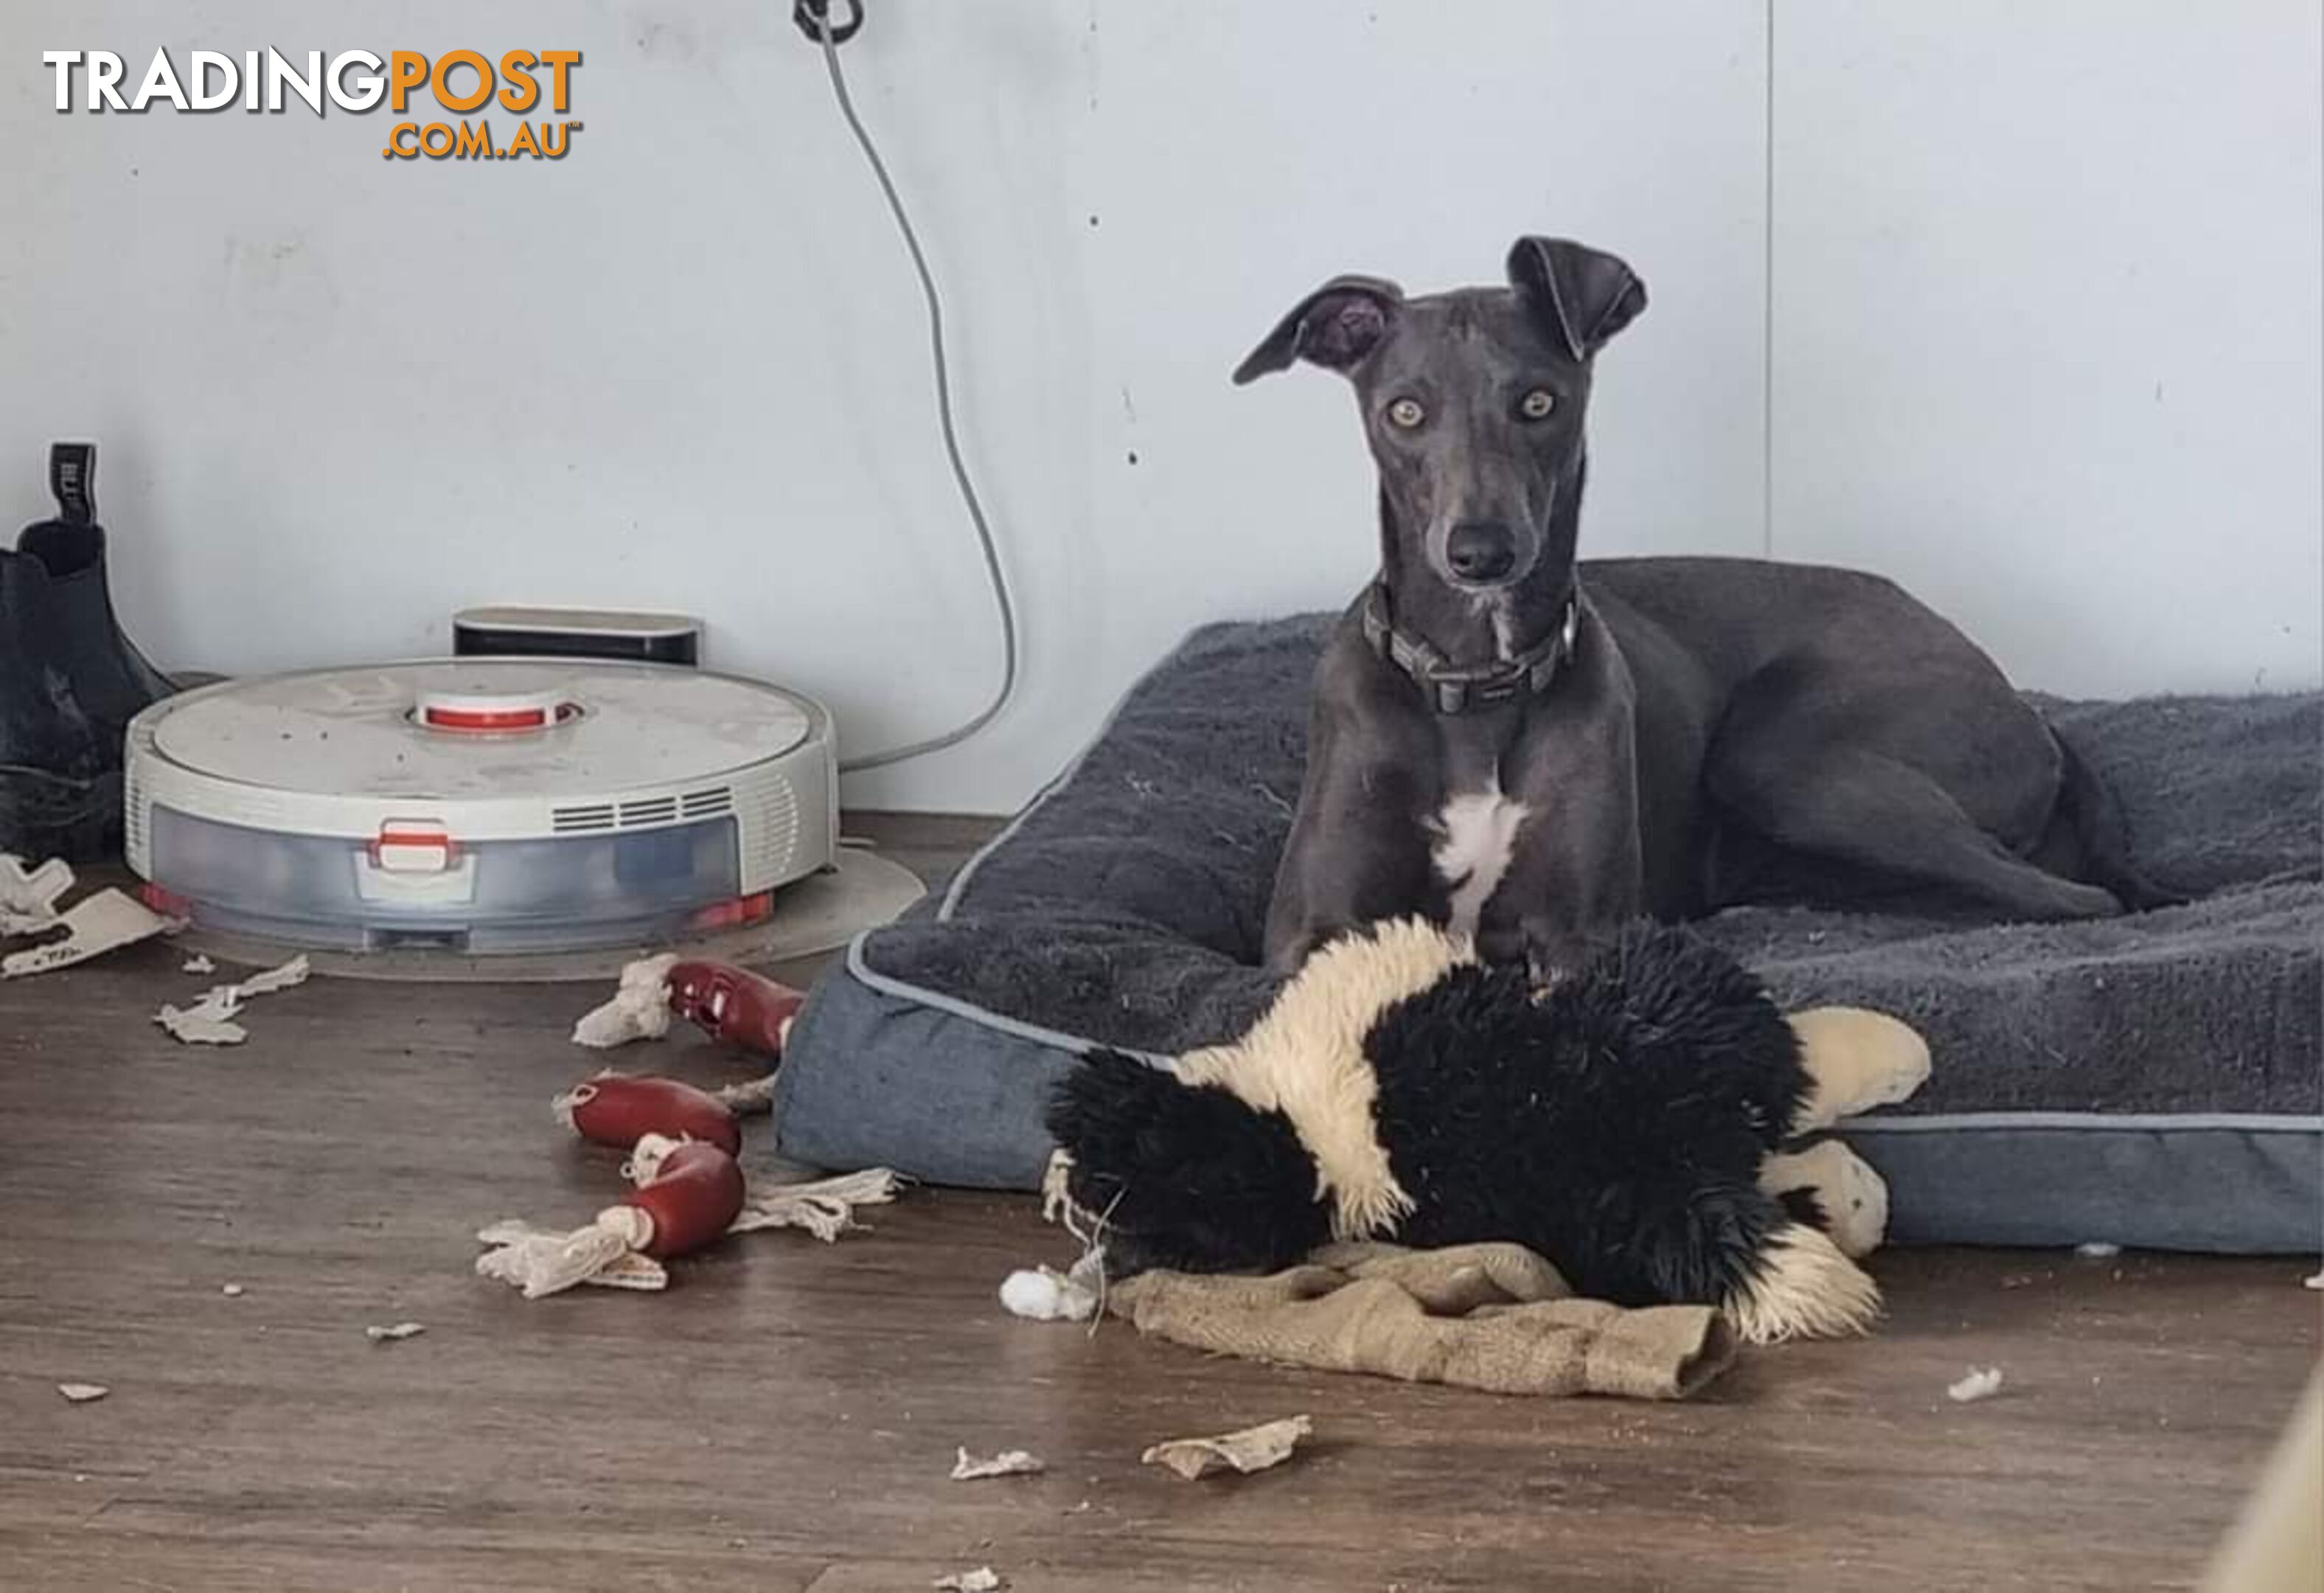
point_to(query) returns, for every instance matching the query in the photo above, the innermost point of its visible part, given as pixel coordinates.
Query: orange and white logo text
(444, 104)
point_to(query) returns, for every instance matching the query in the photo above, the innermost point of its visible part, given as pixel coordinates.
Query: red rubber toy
(691, 1195)
(734, 1004)
(614, 1110)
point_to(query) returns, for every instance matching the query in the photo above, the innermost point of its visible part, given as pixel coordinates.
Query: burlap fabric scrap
(1493, 1316)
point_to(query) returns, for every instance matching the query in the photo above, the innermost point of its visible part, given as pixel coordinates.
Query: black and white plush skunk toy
(1627, 1123)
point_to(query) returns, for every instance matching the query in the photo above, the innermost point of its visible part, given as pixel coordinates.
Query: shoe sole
(45, 815)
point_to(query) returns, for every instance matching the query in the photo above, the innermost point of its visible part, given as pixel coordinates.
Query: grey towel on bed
(1126, 908)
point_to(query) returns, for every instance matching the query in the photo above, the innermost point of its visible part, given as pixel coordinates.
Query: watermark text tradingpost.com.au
(437, 92)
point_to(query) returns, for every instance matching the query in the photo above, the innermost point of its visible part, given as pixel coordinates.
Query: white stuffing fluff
(639, 1009)
(1977, 1385)
(2098, 1250)
(2315, 1283)
(1046, 1295)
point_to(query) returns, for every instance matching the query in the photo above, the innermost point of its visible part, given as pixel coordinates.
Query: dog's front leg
(1572, 887)
(1353, 858)
(1578, 870)
(1356, 852)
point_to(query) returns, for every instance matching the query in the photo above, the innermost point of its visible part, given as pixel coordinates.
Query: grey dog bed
(2149, 1080)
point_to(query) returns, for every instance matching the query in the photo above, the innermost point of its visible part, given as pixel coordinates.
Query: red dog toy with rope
(689, 1189)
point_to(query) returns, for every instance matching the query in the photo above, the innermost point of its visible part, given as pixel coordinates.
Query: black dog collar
(1456, 688)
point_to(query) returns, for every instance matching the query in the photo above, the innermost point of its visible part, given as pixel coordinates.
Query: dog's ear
(1335, 325)
(1584, 295)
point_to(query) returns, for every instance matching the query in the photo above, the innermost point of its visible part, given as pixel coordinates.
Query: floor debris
(639, 1010)
(542, 1262)
(751, 1099)
(198, 964)
(266, 983)
(1045, 1294)
(1253, 1448)
(97, 924)
(2098, 1250)
(824, 1206)
(232, 1291)
(399, 1330)
(28, 897)
(983, 1579)
(81, 1393)
(2315, 1283)
(1979, 1385)
(210, 1020)
(968, 1467)
(1079, 1294)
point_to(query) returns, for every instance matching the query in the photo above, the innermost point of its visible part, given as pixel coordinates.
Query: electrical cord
(823, 32)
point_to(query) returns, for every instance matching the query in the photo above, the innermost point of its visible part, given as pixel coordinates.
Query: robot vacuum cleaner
(479, 806)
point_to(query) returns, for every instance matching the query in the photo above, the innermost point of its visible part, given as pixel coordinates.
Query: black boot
(69, 680)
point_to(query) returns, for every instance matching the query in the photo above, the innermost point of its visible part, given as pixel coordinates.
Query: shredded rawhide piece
(105, 921)
(983, 1579)
(968, 1467)
(207, 1022)
(1253, 1448)
(210, 1020)
(28, 897)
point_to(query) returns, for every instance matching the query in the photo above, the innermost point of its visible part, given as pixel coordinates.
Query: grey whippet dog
(1534, 749)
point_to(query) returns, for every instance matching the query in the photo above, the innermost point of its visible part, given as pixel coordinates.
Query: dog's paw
(1858, 1059)
(1851, 1197)
(1547, 957)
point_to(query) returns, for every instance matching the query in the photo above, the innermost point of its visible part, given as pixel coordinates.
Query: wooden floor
(786, 1416)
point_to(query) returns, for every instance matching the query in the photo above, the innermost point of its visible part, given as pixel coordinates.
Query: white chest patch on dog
(1476, 835)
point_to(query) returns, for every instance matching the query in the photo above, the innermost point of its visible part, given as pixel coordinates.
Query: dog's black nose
(1481, 550)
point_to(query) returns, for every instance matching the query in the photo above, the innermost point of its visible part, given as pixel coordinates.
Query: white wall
(340, 396)
(2047, 336)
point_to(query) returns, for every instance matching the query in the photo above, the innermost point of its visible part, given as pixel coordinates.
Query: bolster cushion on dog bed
(2149, 1080)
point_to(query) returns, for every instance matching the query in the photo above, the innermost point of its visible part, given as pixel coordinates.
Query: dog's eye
(1406, 413)
(1537, 405)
